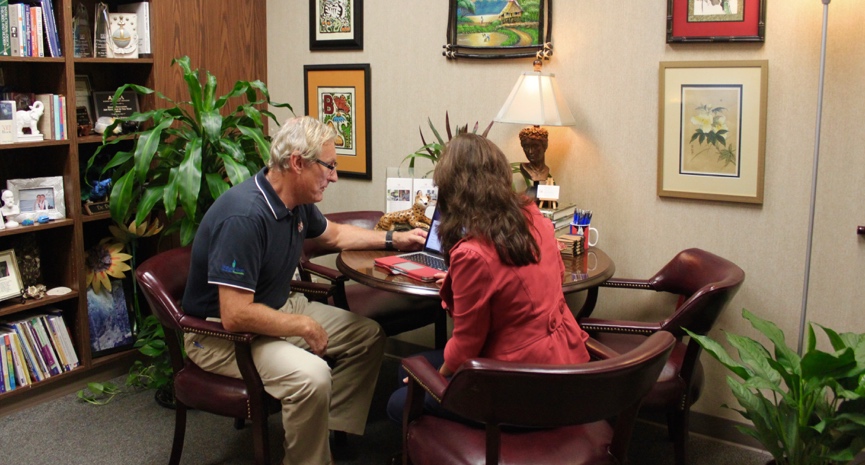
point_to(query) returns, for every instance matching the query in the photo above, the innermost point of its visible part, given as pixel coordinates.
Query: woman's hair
(475, 199)
(303, 136)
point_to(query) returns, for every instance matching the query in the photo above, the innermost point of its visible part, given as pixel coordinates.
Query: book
(54, 340)
(50, 23)
(36, 34)
(4, 381)
(24, 330)
(36, 373)
(12, 382)
(5, 45)
(558, 213)
(24, 31)
(19, 368)
(8, 131)
(64, 129)
(142, 10)
(41, 338)
(46, 123)
(16, 22)
(56, 319)
(19, 350)
(57, 341)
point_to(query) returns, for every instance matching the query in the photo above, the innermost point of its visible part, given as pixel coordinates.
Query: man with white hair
(243, 257)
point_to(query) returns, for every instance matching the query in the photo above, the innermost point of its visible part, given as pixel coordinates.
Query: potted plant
(433, 150)
(806, 409)
(183, 157)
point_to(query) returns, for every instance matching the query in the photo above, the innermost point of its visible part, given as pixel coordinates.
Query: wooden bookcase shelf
(200, 29)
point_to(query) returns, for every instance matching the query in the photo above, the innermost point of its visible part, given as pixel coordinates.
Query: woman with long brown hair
(504, 282)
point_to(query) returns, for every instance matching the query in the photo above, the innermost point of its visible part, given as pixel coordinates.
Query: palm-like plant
(432, 151)
(189, 153)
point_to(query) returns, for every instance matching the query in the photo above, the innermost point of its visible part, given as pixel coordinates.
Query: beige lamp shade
(536, 100)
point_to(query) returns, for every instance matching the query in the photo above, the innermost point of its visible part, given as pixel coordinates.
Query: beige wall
(606, 59)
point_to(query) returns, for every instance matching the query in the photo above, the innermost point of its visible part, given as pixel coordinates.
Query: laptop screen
(433, 241)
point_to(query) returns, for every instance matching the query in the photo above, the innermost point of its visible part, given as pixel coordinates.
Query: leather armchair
(704, 284)
(531, 413)
(396, 313)
(162, 279)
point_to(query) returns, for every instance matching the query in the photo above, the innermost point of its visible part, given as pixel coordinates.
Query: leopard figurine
(414, 217)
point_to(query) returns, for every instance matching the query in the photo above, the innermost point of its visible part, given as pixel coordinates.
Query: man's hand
(315, 336)
(409, 240)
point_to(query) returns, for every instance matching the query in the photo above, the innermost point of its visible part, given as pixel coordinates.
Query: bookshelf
(200, 29)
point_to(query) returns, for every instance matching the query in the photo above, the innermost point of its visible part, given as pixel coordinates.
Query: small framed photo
(39, 196)
(10, 277)
(339, 96)
(716, 21)
(336, 24)
(712, 130)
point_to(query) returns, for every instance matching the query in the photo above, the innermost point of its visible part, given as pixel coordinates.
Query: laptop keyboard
(428, 260)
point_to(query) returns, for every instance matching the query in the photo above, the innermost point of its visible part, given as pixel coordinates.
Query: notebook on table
(422, 265)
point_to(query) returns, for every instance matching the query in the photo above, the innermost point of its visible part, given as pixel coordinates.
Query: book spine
(21, 374)
(29, 354)
(35, 38)
(25, 30)
(14, 31)
(4, 382)
(65, 339)
(63, 126)
(51, 29)
(19, 349)
(5, 45)
(11, 383)
(45, 347)
(39, 36)
(54, 339)
(56, 108)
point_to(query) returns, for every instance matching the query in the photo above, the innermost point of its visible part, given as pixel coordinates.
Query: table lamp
(536, 100)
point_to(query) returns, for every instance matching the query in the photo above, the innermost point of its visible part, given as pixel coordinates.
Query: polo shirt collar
(277, 207)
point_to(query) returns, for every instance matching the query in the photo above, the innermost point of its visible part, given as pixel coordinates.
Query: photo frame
(10, 278)
(716, 21)
(712, 130)
(83, 98)
(335, 25)
(108, 316)
(499, 29)
(339, 96)
(39, 196)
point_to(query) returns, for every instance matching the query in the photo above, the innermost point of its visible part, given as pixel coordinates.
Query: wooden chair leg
(261, 440)
(179, 433)
(441, 330)
(677, 426)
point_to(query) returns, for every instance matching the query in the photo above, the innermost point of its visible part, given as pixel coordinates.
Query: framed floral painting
(499, 29)
(716, 21)
(712, 130)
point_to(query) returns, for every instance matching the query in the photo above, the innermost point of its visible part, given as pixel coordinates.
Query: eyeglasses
(330, 166)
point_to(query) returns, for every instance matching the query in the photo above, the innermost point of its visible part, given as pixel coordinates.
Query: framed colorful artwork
(108, 315)
(716, 21)
(336, 24)
(712, 130)
(339, 96)
(499, 29)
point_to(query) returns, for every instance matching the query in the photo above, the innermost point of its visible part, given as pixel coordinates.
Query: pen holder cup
(585, 231)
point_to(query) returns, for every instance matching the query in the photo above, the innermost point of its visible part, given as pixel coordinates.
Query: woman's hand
(440, 278)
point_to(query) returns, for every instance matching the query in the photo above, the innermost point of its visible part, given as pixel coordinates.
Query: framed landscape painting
(499, 29)
(712, 130)
(339, 96)
(716, 21)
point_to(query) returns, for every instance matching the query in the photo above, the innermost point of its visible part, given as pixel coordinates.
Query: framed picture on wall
(336, 24)
(716, 21)
(499, 29)
(339, 96)
(712, 130)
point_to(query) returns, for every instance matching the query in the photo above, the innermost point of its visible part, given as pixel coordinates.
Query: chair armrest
(324, 272)
(597, 325)
(627, 283)
(313, 291)
(420, 371)
(192, 324)
(599, 351)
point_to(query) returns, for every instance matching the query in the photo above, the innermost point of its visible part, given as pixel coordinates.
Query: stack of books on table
(561, 217)
(570, 245)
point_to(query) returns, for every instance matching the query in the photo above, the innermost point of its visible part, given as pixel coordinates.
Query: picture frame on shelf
(482, 33)
(712, 130)
(339, 96)
(716, 21)
(335, 25)
(122, 35)
(10, 278)
(108, 317)
(84, 99)
(39, 196)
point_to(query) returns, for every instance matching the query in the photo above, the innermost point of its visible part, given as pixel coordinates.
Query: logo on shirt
(300, 226)
(233, 269)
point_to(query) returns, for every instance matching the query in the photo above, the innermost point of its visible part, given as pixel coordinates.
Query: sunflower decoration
(105, 260)
(125, 234)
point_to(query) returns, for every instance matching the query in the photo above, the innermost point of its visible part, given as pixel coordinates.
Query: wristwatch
(388, 241)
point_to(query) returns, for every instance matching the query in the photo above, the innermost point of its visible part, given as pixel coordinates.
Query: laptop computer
(419, 265)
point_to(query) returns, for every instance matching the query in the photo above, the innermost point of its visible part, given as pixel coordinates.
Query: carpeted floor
(133, 429)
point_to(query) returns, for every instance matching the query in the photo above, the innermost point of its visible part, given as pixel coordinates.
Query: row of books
(33, 349)
(52, 122)
(28, 29)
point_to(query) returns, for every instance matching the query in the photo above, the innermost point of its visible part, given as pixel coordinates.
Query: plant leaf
(189, 178)
(121, 198)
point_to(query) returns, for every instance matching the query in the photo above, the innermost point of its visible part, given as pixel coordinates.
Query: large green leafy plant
(805, 409)
(187, 154)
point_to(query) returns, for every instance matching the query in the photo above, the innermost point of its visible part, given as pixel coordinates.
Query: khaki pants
(314, 399)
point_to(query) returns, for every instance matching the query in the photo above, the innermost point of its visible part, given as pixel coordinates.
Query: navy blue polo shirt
(248, 240)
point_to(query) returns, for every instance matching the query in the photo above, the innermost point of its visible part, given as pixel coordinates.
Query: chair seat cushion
(670, 386)
(209, 392)
(389, 309)
(436, 441)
